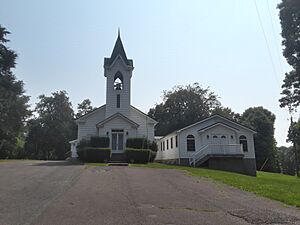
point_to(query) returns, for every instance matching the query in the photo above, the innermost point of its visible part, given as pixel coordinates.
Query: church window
(171, 140)
(190, 142)
(167, 144)
(118, 81)
(118, 101)
(176, 141)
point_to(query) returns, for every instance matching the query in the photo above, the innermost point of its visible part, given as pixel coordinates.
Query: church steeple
(118, 71)
(118, 51)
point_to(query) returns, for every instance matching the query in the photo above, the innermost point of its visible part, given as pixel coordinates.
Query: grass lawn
(275, 186)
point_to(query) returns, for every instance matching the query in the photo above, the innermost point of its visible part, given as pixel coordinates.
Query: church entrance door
(117, 141)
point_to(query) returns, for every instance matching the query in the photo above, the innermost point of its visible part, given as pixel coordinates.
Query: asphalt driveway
(35, 192)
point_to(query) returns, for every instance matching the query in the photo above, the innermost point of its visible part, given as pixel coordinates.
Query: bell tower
(118, 71)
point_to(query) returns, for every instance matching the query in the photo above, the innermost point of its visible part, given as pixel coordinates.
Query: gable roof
(118, 51)
(101, 123)
(154, 121)
(217, 124)
(222, 117)
(90, 113)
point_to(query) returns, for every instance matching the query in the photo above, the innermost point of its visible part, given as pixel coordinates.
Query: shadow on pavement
(59, 163)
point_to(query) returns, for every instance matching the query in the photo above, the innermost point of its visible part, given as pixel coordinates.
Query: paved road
(57, 193)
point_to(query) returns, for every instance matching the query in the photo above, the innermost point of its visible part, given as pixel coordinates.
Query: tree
(294, 137)
(262, 121)
(50, 133)
(286, 160)
(182, 106)
(290, 23)
(84, 107)
(13, 102)
(227, 112)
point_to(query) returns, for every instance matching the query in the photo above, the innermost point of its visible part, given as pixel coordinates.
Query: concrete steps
(118, 159)
(117, 163)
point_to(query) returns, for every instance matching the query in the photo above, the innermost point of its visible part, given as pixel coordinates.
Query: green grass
(12, 160)
(278, 187)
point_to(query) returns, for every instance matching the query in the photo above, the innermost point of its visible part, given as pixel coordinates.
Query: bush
(82, 144)
(141, 143)
(100, 142)
(152, 156)
(92, 154)
(137, 155)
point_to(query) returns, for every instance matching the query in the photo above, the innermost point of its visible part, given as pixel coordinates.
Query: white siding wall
(111, 94)
(201, 140)
(146, 128)
(167, 153)
(87, 127)
(119, 124)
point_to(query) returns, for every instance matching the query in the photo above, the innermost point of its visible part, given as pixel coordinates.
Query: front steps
(116, 163)
(118, 159)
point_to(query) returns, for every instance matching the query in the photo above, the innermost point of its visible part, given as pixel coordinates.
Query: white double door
(117, 140)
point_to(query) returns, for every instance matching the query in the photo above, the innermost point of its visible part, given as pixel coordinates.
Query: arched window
(223, 137)
(118, 81)
(243, 142)
(190, 143)
(215, 136)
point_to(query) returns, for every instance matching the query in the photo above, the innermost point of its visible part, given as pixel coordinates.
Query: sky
(220, 44)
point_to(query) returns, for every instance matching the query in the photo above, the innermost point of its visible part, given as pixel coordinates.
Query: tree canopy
(13, 103)
(50, 133)
(290, 24)
(262, 121)
(294, 137)
(182, 106)
(84, 107)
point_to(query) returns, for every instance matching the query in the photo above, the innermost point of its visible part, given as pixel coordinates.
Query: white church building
(117, 119)
(215, 142)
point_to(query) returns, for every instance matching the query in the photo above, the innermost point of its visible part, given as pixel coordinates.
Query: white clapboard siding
(87, 125)
(172, 152)
(146, 124)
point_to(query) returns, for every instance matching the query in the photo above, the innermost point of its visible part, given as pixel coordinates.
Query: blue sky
(220, 44)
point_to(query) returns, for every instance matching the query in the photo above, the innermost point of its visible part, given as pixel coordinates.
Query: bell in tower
(118, 71)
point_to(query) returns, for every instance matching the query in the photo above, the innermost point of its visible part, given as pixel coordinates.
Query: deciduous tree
(262, 121)
(50, 133)
(13, 102)
(182, 106)
(84, 107)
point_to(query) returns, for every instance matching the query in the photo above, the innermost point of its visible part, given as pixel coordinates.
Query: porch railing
(216, 149)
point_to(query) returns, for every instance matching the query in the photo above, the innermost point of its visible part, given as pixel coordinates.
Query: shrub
(152, 156)
(92, 154)
(141, 143)
(137, 155)
(100, 142)
(82, 144)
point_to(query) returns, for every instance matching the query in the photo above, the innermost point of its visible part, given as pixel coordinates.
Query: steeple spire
(118, 51)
